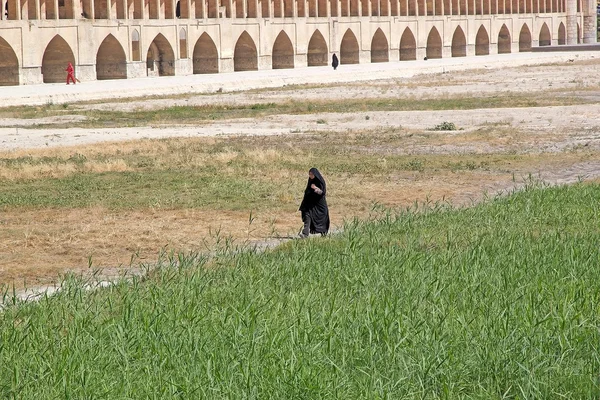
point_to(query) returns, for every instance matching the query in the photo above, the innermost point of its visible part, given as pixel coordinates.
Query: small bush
(415, 165)
(262, 106)
(445, 126)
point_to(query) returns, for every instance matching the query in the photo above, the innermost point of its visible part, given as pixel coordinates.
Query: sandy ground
(561, 130)
(571, 125)
(468, 77)
(243, 81)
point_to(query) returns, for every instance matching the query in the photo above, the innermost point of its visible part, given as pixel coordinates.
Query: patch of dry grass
(200, 114)
(362, 168)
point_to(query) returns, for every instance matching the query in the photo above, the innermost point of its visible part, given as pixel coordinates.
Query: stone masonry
(120, 39)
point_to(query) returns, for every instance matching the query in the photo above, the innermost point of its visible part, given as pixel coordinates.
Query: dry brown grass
(39, 244)
(392, 167)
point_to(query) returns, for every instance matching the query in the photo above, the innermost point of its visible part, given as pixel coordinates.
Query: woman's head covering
(318, 180)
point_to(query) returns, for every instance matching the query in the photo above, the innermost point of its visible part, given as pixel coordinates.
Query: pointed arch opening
(136, 54)
(111, 62)
(434, 44)
(349, 49)
(160, 58)
(245, 56)
(408, 46)
(317, 50)
(283, 52)
(206, 58)
(562, 34)
(459, 43)
(183, 52)
(57, 55)
(9, 65)
(482, 42)
(525, 39)
(545, 39)
(379, 47)
(504, 43)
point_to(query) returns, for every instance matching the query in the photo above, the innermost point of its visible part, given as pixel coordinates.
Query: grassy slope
(496, 300)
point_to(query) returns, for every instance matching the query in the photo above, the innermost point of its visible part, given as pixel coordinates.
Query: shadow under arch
(408, 46)
(205, 57)
(459, 43)
(282, 56)
(9, 65)
(245, 56)
(111, 62)
(379, 47)
(160, 58)
(349, 48)
(57, 55)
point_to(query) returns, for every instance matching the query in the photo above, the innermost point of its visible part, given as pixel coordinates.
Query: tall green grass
(501, 300)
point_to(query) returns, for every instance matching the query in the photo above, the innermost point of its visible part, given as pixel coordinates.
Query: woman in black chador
(334, 61)
(315, 213)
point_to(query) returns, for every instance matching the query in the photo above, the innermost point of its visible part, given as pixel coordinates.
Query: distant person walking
(334, 62)
(315, 213)
(70, 73)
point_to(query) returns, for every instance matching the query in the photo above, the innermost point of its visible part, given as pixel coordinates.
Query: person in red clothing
(70, 73)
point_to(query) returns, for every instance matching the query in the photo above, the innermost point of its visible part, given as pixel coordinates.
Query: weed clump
(445, 126)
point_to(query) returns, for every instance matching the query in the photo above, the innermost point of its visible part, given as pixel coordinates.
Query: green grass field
(501, 300)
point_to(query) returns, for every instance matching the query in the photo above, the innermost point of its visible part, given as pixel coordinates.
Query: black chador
(315, 213)
(334, 61)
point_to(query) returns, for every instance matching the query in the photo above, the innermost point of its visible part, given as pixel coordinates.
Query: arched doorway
(111, 62)
(349, 49)
(160, 59)
(482, 42)
(206, 58)
(434, 44)
(525, 39)
(545, 38)
(9, 65)
(408, 46)
(245, 57)
(317, 50)
(379, 47)
(504, 41)
(459, 43)
(283, 52)
(54, 62)
(562, 34)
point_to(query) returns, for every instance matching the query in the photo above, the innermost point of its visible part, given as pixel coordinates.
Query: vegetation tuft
(495, 301)
(445, 126)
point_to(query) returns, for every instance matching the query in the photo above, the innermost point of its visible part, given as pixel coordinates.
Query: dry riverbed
(120, 195)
